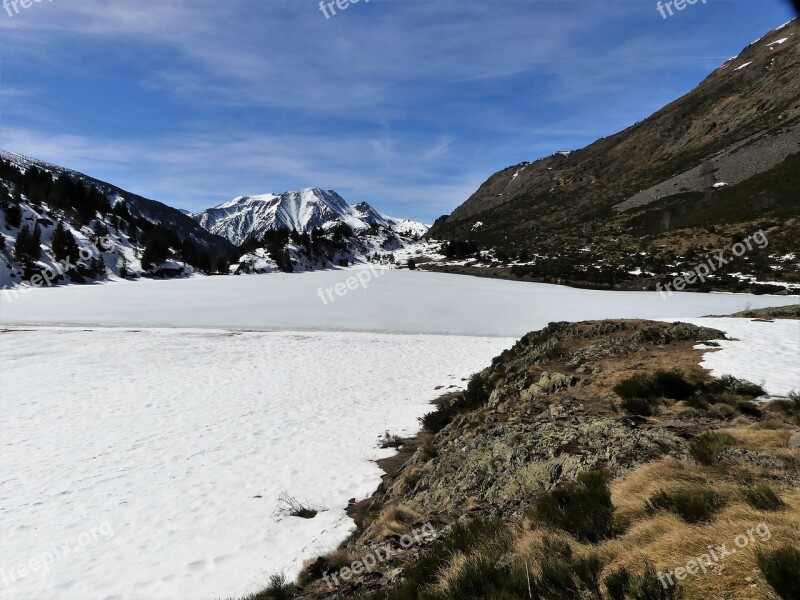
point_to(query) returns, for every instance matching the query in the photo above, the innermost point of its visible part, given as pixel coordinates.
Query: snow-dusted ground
(758, 351)
(175, 445)
(396, 302)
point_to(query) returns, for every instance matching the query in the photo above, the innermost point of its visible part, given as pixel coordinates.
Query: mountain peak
(301, 210)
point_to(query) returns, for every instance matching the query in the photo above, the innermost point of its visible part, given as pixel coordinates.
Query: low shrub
(622, 585)
(706, 448)
(749, 409)
(428, 451)
(582, 508)
(618, 583)
(289, 506)
(638, 386)
(640, 393)
(781, 569)
(437, 420)
(662, 384)
(391, 440)
(672, 385)
(279, 588)
(640, 407)
(762, 497)
(698, 402)
(481, 576)
(474, 397)
(489, 535)
(732, 385)
(562, 575)
(693, 505)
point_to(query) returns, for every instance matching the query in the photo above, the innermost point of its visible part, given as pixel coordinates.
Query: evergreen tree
(37, 240)
(64, 244)
(27, 248)
(97, 267)
(13, 215)
(222, 266)
(156, 247)
(123, 266)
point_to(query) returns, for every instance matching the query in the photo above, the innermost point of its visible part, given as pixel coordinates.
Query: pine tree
(64, 244)
(27, 248)
(97, 267)
(13, 215)
(36, 241)
(123, 266)
(156, 247)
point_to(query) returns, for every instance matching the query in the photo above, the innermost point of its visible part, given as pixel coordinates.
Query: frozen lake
(393, 302)
(147, 465)
(148, 428)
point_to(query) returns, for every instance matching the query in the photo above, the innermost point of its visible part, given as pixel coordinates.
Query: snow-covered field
(397, 302)
(758, 351)
(146, 445)
(173, 446)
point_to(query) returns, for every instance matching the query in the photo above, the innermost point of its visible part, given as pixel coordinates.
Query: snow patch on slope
(759, 351)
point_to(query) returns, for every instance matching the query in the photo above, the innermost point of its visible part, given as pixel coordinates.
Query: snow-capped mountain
(246, 217)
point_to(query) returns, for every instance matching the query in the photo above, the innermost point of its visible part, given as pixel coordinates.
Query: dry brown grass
(631, 493)
(334, 561)
(529, 545)
(669, 542)
(393, 520)
(450, 571)
(762, 437)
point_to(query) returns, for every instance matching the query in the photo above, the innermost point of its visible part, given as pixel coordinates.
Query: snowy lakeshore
(180, 443)
(149, 428)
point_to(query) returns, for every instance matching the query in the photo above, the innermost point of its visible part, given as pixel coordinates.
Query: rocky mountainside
(303, 211)
(720, 162)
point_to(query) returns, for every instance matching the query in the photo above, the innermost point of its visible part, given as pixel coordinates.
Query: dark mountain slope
(151, 210)
(723, 155)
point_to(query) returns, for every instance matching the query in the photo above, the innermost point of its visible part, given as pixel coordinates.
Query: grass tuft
(582, 508)
(693, 505)
(781, 569)
(706, 448)
(762, 497)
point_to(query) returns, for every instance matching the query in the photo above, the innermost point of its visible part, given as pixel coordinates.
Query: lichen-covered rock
(505, 465)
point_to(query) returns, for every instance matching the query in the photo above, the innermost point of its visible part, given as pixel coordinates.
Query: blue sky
(408, 104)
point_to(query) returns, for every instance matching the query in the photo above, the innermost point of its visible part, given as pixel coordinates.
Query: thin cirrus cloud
(409, 105)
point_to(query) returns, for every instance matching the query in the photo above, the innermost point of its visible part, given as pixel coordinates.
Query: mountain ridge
(303, 210)
(139, 206)
(715, 164)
